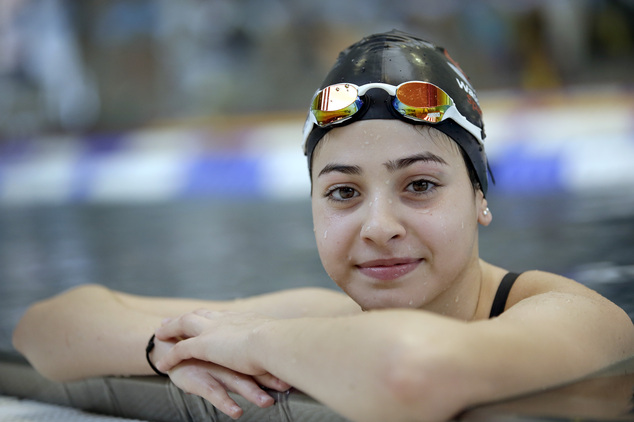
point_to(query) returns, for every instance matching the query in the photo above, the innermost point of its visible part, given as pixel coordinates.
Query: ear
(482, 207)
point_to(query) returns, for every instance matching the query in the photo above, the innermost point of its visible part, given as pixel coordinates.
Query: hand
(212, 381)
(223, 338)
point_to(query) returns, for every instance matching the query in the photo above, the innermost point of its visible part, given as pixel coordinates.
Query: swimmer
(423, 327)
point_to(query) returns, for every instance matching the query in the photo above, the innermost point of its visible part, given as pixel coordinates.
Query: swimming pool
(208, 248)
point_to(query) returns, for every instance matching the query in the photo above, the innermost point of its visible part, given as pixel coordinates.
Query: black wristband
(148, 349)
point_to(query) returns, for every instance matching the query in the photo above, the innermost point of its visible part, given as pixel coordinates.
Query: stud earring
(486, 211)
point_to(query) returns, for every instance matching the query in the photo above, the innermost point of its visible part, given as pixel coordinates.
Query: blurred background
(154, 146)
(112, 65)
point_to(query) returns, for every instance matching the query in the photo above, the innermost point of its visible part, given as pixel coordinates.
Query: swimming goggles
(414, 100)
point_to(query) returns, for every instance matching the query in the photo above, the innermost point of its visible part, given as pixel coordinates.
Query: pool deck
(604, 396)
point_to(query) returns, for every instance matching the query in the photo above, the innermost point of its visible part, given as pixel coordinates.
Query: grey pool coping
(604, 396)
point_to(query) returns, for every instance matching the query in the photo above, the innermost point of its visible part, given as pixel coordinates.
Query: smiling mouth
(388, 269)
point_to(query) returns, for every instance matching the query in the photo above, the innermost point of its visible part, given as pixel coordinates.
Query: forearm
(85, 332)
(291, 303)
(363, 367)
(93, 331)
(409, 365)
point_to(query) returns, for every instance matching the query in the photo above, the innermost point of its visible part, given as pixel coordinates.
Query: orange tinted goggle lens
(422, 101)
(422, 95)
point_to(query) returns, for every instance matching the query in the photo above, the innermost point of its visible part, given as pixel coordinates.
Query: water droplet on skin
(325, 234)
(457, 299)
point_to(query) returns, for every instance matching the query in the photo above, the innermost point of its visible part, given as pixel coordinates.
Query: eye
(341, 193)
(421, 186)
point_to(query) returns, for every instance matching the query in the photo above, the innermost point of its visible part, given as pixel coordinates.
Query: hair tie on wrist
(148, 349)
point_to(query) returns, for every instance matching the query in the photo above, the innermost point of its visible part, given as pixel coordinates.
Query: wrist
(153, 351)
(260, 341)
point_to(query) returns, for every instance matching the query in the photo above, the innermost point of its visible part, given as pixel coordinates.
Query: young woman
(424, 328)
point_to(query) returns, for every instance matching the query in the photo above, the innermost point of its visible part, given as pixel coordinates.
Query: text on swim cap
(467, 89)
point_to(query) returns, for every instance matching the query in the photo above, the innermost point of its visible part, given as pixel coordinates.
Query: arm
(92, 331)
(84, 332)
(411, 365)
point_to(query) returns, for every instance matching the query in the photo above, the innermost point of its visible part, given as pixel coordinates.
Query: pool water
(221, 250)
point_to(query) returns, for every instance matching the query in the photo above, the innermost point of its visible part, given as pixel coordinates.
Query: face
(395, 216)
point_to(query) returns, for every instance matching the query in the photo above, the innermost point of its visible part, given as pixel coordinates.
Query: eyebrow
(340, 168)
(426, 157)
(392, 165)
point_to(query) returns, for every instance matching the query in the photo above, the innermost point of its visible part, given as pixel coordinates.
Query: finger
(272, 382)
(185, 326)
(181, 351)
(216, 394)
(244, 385)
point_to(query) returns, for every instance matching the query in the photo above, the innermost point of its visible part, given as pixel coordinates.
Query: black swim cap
(396, 57)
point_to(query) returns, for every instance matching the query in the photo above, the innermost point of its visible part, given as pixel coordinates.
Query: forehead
(384, 139)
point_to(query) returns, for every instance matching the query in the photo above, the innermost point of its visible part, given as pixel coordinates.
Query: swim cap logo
(463, 83)
(467, 88)
(471, 95)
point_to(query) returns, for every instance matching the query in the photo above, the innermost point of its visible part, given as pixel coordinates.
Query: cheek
(320, 227)
(456, 235)
(333, 236)
(447, 229)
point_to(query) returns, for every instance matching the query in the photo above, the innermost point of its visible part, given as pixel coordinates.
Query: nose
(381, 223)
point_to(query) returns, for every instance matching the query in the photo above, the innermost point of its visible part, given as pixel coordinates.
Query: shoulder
(535, 283)
(552, 299)
(568, 315)
(536, 288)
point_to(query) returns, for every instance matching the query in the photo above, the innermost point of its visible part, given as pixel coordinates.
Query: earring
(486, 211)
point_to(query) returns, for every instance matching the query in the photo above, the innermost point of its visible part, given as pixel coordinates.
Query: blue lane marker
(520, 170)
(227, 176)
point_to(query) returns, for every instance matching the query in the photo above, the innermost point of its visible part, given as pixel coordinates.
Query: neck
(462, 299)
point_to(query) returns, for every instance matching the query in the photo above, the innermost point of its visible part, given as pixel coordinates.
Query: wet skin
(396, 223)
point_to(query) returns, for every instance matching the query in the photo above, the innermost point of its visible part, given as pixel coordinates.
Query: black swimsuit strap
(499, 302)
